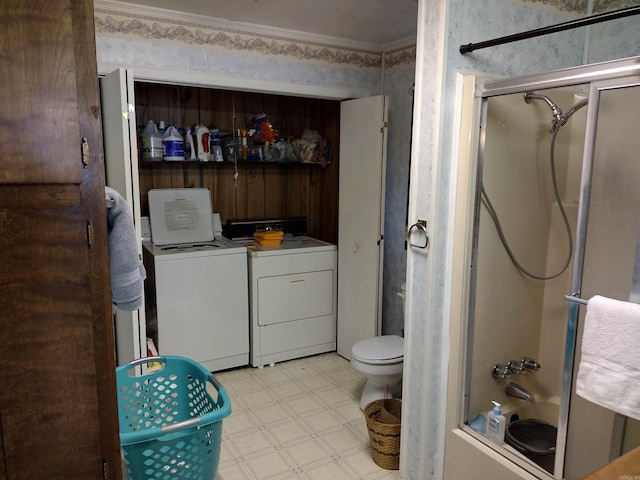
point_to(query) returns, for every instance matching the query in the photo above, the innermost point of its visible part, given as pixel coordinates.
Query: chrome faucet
(516, 391)
(516, 367)
(529, 364)
(526, 364)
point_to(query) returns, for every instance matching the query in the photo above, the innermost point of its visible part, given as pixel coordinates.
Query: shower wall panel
(514, 314)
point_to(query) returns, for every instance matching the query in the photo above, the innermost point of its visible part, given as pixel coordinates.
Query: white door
(121, 167)
(363, 146)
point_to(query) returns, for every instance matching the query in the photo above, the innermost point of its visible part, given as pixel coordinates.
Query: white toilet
(380, 359)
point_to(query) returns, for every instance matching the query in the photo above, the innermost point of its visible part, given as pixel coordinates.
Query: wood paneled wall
(262, 189)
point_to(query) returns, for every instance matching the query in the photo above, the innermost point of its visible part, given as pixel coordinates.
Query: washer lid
(383, 349)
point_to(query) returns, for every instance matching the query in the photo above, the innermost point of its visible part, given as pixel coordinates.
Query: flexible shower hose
(496, 220)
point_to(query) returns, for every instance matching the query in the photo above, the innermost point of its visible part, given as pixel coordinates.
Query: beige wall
(517, 316)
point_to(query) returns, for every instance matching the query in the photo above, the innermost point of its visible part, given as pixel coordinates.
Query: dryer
(292, 292)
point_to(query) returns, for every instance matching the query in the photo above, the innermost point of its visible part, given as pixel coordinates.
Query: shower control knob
(500, 371)
(529, 364)
(516, 367)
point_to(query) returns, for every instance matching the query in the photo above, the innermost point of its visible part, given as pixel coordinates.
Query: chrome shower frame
(599, 77)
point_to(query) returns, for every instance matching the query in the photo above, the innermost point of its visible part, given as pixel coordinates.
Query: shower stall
(554, 220)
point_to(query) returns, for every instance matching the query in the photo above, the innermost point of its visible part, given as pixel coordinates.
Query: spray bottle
(189, 147)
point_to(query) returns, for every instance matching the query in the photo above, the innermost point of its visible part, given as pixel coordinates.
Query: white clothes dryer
(292, 291)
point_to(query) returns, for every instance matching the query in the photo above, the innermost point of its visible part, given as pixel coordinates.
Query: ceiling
(376, 22)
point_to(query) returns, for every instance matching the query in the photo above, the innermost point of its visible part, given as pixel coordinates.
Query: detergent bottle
(152, 149)
(173, 144)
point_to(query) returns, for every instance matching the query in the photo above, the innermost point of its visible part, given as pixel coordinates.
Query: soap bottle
(496, 424)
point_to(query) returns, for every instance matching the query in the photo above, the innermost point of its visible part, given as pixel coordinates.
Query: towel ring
(420, 225)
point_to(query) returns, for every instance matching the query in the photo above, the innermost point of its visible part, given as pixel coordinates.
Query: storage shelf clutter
(247, 188)
(202, 144)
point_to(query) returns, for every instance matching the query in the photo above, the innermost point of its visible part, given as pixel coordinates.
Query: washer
(199, 294)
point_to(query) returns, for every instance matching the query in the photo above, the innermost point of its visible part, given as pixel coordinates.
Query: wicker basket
(384, 437)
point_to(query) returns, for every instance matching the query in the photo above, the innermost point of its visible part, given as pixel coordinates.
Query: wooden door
(58, 411)
(363, 132)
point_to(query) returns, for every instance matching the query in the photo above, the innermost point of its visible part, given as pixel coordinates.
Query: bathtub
(547, 411)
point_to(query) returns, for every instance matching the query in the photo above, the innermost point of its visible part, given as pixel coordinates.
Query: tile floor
(297, 420)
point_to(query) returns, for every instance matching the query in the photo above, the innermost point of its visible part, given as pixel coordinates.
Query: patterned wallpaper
(582, 6)
(112, 18)
(158, 28)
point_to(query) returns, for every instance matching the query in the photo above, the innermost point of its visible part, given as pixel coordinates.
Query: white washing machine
(292, 294)
(199, 294)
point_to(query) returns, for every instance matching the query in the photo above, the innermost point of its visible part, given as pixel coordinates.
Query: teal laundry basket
(170, 419)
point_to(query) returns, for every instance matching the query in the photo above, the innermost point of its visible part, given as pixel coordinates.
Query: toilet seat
(380, 350)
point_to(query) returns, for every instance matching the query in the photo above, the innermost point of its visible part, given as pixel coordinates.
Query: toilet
(380, 359)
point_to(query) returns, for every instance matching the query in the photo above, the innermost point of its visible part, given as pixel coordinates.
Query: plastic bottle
(216, 149)
(245, 147)
(203, 146)
(151, 143)
(189, 147)
(161, 128)
(173, 144)
(496, 424)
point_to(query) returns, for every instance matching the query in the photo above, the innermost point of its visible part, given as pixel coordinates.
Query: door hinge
(105, 469)
(130, 109)
(85, 152)
(385, 125)
(90, 234)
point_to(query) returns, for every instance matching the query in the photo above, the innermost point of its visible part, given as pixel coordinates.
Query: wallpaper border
(154, 28)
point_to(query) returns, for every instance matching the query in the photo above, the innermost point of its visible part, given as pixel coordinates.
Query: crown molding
(242, 28)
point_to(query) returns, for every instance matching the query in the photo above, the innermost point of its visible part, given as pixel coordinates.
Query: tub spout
(516, 391)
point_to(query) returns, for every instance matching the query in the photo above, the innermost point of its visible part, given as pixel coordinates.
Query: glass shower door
(610, 259)
(512, 315)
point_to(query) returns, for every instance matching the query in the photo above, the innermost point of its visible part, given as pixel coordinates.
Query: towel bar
(579, 300)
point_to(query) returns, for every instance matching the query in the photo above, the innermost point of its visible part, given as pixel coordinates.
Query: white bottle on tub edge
(496, 424)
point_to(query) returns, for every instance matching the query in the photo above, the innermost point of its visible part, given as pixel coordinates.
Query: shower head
(558, 119)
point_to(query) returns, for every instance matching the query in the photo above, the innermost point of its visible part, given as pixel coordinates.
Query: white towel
(609, 371)
(126, 270)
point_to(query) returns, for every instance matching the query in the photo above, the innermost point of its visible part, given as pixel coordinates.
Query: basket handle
(180, 425)
(143, 360)
(215, 382)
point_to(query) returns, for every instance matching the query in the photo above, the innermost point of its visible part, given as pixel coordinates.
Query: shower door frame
(599, 77)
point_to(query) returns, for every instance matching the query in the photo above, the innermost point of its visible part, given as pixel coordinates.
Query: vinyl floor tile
(297, 420)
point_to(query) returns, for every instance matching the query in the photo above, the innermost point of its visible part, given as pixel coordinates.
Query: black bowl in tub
(535, 439)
